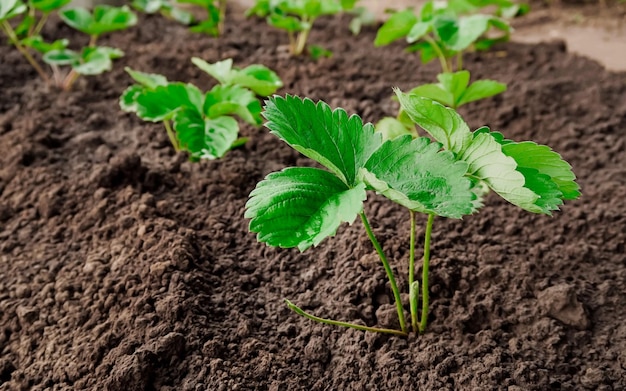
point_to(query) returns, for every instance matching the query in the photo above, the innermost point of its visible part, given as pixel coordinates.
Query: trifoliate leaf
(454, 82)
(204, 138)
(419, 176)
(340, 143)
(301, 206)
(445, 125)
(104, 19)
(225, 100)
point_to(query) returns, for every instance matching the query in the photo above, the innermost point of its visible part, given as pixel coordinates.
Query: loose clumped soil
(125, 267)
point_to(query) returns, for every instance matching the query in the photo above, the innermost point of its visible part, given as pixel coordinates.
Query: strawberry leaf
(162, 102)
(204, 138)
(340, 143)
(416, 174)
(225, 100)
(301, 206)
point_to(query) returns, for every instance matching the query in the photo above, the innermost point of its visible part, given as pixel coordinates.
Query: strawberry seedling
(297, 18)
(202, 123)
(301, 206)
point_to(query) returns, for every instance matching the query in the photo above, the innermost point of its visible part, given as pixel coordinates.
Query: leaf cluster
(299, 207)
(202, 123)
(444, 30)
(297, 17)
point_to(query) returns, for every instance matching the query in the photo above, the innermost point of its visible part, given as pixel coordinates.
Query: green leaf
(103, 20)
(529, 155)
(37, 43)
(301, 206)
(340, 143)
(483, 152)
(418, 31)
(11, 8)
(445, 125)
(481, 89)
(225, 100)
(47, 6)
(499, 171)
(420, 177)
(128, 100)
(96, 60)
(220, 70)
(289, 23)
(434, 92)
(396, 27)
(164, 101)
(149, 6)
(61, 57)
(204, 138)
(391, 128)
(260, 79)
(148, 80)
(316, 52)
(456, 83)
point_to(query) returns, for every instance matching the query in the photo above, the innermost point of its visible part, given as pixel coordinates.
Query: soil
(126, 267)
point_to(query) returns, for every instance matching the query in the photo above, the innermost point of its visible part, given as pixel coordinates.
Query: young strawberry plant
(297, 18)
(91, 60)
(202, 123)
(166, 8)
(453, 90)
(215, 13)
(444, 31)
(301, 206)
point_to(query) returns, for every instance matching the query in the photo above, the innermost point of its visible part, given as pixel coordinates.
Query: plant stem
(42, 22)
(171, 135)
(301, 42)
(459, 61)
(442, 58)
(71, 78)
(412, 297)
(429, 228)
(8, 30)
(220, 22)
(392, 280)
(292, 42)
(299, 311)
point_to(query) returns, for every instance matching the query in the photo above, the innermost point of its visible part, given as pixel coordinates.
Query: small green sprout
(297, 18)
(441, 31)
(301, 206)
(202, 123)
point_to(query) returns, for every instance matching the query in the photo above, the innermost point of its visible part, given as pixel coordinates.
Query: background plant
(91, 60)
(444, 30)
(202, 123)
(453, 90)
(297, 18)
(301, 206)
(212, 25)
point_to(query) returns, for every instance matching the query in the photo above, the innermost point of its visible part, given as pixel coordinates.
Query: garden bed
(126, 267)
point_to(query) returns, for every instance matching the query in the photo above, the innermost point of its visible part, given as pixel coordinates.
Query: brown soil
(125, 267)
